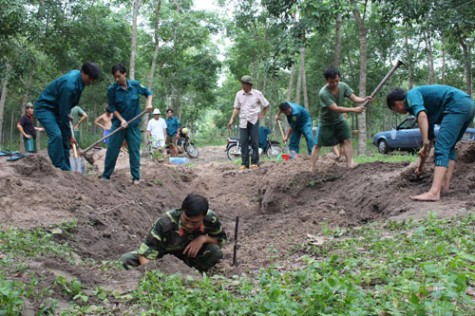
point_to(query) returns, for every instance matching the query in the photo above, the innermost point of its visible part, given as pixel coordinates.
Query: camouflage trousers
(207, 257)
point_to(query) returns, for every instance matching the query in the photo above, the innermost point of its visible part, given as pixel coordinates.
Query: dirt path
(278, 205)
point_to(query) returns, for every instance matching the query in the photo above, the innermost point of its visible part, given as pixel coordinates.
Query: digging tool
(386, 78)
(410, 175)
(286, 148)
(235, 241)
(89, 157)
(77, 164)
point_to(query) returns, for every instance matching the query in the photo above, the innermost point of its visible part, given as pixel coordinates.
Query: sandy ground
(278, 205)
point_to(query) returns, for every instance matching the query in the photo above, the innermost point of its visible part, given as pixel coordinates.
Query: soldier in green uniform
(454, 110)
(192, 233)
(54, 105)
(332, 127)
(123, 102)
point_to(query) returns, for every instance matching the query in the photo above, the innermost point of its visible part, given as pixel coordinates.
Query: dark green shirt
(126, 102)
(327, 98)
(167, 236)
(60, 96)
(173, 124)
(435, 100)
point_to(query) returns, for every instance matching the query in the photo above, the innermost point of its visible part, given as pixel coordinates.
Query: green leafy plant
(72, 288)
(11, 302)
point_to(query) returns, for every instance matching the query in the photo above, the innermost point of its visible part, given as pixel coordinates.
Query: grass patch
(422, 267)
(413, 268)
(395, 157)
(16, 282)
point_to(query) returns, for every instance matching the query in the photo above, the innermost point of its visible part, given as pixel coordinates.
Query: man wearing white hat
(156, 131)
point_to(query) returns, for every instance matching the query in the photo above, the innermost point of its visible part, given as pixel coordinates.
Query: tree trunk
(338, 25)
(153, 65)
(362, 136)
(133, 48)
(3, 98)
(410, 68)
(304, 78)
(299, 81)
(291, 82)
(467, 64)
(430, 58)
(444, 62)
(26, 95)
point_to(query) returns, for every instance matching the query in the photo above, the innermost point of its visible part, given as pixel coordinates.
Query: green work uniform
(126, 102)
(77, 113)
(52, 111)
(332, 125)
(168, 237)
(452, 108)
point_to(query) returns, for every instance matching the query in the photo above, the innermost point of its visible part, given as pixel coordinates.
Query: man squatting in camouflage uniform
(193, 234)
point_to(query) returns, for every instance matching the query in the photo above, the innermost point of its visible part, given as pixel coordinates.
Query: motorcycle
(184, 144)
(272, 149)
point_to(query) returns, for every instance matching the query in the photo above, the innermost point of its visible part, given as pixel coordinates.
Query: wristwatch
(426, 142)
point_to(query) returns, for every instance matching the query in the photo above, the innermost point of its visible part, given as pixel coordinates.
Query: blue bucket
(30, 144)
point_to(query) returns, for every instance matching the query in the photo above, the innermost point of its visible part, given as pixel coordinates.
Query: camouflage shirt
(167, 235)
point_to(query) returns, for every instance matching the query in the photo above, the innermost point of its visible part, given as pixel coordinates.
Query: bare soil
(278, 206)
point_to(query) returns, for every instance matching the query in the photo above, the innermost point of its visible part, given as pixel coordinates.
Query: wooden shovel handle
(281, 131)
(386, 78)
(112, 132)
(75, 151)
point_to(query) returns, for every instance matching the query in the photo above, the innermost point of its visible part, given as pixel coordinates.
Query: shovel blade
(77, 165)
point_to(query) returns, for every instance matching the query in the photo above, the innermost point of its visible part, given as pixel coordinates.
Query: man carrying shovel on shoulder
(123, 100)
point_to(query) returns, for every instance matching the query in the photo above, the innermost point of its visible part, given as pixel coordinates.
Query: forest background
(192, 59)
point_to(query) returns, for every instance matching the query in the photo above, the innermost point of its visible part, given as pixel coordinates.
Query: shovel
(77, 164)
(386, 78)
(286, 148)
(89, 157)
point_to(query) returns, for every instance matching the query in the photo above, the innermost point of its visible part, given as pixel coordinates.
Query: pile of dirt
(278, 204)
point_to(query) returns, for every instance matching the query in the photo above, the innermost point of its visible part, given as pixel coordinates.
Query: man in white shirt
(156, 131)
(248, 103)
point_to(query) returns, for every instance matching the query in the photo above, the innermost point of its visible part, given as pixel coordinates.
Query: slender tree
(362, 136)
(156, 37)
(133, 47)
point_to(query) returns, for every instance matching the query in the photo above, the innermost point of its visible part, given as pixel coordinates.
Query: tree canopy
(284, 44)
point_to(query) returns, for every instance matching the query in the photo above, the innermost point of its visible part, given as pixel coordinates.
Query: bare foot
(352, 165)
(444, 190)
(426, 197)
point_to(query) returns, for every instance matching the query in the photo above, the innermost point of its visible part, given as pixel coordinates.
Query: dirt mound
(278, 204)
(466, 151)
(35, 166)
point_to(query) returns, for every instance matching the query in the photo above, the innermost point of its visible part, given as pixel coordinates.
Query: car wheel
(383, 146)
